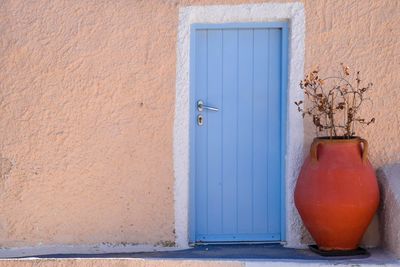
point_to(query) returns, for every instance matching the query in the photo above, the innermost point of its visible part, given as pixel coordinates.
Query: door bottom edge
(205, 243)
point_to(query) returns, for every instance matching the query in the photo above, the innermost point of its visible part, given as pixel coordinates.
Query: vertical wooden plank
(283, 120)
(192, 138)
(274, 138)
(229, 135)
(260, 133)
(213, 120)
(201, 134)
(245, 131)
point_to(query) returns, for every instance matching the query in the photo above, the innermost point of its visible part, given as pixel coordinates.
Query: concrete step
(207, 255)
(137, 262)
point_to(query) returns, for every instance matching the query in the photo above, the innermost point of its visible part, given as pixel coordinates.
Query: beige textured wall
(87, 93)
(86, 109)
(362, 34)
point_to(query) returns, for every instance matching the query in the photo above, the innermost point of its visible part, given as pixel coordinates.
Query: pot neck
(350, 146)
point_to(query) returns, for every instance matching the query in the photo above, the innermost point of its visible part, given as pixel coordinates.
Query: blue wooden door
(238, 73)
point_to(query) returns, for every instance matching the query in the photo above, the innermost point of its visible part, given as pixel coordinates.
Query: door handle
(201, 106)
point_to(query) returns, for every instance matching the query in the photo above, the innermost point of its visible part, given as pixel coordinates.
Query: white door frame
(265, 12)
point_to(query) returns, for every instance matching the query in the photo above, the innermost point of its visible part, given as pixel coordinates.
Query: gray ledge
(389, 212)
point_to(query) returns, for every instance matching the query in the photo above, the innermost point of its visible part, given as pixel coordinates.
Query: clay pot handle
(314, 149)
(365, 149)
(315, 143)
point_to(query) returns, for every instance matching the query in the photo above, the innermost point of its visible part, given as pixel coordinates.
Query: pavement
(248, 252)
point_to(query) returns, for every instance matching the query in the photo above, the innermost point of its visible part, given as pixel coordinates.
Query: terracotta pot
(337, 192)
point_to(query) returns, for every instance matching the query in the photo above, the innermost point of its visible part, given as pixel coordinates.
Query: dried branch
(333, 100)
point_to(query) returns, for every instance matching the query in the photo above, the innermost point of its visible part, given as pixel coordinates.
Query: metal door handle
(201, 106)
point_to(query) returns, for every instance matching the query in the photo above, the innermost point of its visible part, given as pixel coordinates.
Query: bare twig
(333, 100)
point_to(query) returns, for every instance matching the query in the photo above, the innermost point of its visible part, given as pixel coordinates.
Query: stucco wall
(87, 94)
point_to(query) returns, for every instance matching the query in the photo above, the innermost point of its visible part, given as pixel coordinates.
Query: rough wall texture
(86, 109)
(87, 95)
(364, 35)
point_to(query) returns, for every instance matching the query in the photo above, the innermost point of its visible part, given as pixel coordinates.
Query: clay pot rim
(338, 139)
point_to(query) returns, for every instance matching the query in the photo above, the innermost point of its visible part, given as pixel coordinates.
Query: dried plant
(334, 102)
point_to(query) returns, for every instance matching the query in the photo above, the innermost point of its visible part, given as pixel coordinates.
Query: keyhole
(200, 120)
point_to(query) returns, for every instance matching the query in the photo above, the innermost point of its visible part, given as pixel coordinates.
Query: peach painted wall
(87, 94)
